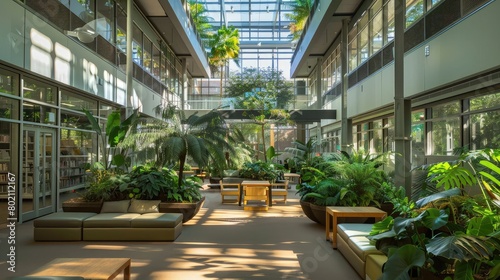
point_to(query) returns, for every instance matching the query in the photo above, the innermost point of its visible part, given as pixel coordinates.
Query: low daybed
(131, 220)
(354, 245)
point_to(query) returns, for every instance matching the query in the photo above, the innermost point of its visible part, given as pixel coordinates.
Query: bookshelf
(5, 149)
(72, 165)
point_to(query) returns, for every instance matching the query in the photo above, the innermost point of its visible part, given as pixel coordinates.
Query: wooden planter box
(78, 205)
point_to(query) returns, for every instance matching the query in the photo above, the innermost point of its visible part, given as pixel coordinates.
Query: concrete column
(184, 90)
(346, 129)
(319, 84)
(129, 68)
(402, 106)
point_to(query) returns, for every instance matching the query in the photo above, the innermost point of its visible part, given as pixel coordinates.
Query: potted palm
(176, 137)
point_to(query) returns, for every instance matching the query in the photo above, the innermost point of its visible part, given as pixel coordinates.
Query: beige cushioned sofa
(132, 220)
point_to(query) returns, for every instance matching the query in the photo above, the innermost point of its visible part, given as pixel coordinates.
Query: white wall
(467, 48)
(38, 47)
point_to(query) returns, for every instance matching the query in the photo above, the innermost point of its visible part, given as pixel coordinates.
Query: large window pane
(389, 10)
(39, 91)
(414, 11)
(363, 45)
(39, 114)
(376, 26)
(75, 120)
(75, 102)
(9, 108)
(446, 129)
(418, 138)
(353, 50)
(485, 130)
(445, 136)
(9, 82)
(106, 18)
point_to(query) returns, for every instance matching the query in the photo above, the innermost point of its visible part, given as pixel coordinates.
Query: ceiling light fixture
(89, 31)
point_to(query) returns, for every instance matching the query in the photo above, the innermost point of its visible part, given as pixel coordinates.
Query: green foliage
(472, 168)
(472, 245)
(116, 131)
(201, 21)
(402, 204)
(103, 184)
(264, 93)
(261, 170)
(302, 153)
(301, 9)
(329, 192)
(177, 137)
(149, 182)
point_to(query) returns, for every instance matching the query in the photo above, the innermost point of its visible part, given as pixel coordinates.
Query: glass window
(389, 9)
(376, 26)
(39, 114)
(418, 138)
(445, 129)
(377, 138)
(414, 11)
(390, 143)
(485, 132)
(121, 30)
(147, 54)
(105, 110)
(432, 3)
(363, 45)
(156, 62)
(36, 90)
(105, 19)
(484, 126)
(75, 102)
(353, 50)
(9, 82)
(137, 45)
(75, 120)
(485, 102)
(9, 108)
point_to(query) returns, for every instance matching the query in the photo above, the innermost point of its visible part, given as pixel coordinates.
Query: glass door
(38, 172)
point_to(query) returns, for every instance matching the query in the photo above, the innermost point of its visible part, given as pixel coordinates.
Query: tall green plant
(479, 168)
(201, 21)
(264, 94)
(176, 137)
(224, 46)
(301, 9)
(115, 132)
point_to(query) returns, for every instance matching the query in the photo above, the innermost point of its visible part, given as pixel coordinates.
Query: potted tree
(176, 137)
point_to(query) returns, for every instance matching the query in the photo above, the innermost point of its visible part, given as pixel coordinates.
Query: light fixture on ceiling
(89, 31)
(259, 44)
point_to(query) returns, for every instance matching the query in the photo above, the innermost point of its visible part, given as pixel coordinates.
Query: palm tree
(300, 13)
(200, 19)
(224, 45)
(175, 137)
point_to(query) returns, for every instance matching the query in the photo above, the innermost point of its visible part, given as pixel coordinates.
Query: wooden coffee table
(338, 211)
(88, 268)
